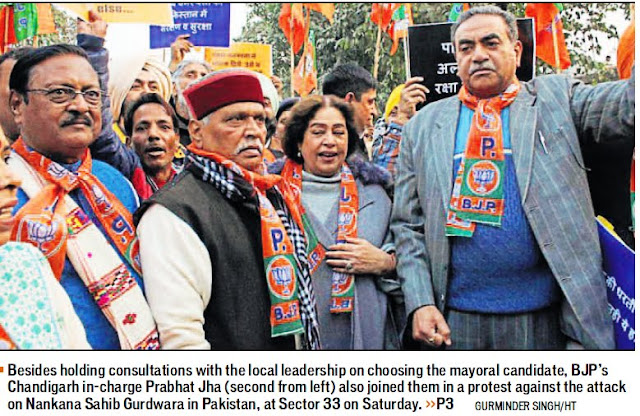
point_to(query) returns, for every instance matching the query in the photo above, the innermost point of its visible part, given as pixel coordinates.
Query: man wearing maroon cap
(223, 252)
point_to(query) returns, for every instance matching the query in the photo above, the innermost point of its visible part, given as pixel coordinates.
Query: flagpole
(407, 68)
(293, 93)
(6, 30)
(376, 56)
(556, 52)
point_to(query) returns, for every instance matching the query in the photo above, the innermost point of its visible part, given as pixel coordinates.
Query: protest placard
(253, 56)
(431, 56)
(151, 13)
(206, 23)
(618, 264)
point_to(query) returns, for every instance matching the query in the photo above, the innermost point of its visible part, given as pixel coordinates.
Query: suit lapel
(523, 115)
(444, 139)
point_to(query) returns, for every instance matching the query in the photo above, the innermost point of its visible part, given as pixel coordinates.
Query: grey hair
(182, 65)
(508, 18)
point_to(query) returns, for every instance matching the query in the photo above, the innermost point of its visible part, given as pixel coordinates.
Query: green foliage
(352, 37)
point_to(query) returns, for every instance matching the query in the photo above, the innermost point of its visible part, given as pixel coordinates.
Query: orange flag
(292, 23)
(46, 25)
(381, 13)
(305, 77)
(544, 14)
(401, 19)
(626, 51)
(326, 9)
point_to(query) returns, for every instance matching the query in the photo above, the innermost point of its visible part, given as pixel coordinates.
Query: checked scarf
(59, 228)
(478, 194)
(342, 284)
(284, 245)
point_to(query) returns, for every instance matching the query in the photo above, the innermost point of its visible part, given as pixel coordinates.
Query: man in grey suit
(496, 240)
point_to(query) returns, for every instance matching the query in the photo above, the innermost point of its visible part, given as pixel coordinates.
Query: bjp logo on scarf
(487, 120)
(281, 277)
(484, 178)
(46, 233)
(341, 283)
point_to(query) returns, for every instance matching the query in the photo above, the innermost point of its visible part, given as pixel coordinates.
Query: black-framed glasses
(63, 95)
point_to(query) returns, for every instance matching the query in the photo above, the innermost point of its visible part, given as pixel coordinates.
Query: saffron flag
(326, 9)
(626, 51)
(401, 19)
(456, 10)
(545, 15)
(46, 24)
(292, 23)
(382, 13)
(305, 76)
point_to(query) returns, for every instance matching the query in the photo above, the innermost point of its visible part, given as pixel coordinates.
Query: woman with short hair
(348, 209)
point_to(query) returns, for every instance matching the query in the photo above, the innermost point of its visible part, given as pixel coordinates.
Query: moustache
(484, 67)
(78, 119)
(260, 147)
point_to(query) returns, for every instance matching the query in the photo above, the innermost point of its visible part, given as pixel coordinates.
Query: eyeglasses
(64, 95)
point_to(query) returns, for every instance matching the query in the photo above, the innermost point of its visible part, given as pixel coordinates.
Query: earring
(299, 154)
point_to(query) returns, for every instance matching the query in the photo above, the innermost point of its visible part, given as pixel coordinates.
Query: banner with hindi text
(252, 56)
(618, 264)
(151, 13)
(207, 24)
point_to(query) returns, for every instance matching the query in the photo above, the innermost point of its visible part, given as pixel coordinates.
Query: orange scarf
(342, 284)
(278, 251)
(47, 226)
(478, 194)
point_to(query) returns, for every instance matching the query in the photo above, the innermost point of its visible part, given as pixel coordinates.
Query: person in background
(610, 172)
(152, 125)
(186, 72)
(234, 273)
(494, 227)
(274, 148)
(349, 212)
(111, 146)
(356, 86)
(77, 211)
(400, 107)
(35, 311)
(271, 101)
(7, 61)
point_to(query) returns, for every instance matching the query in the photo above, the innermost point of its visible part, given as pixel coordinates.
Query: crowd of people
(177, 207)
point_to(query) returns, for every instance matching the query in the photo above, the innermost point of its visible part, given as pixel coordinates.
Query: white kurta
(177, 275)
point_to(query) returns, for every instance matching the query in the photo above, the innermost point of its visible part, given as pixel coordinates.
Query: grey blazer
(553, 187)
